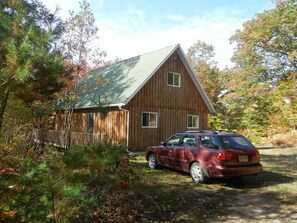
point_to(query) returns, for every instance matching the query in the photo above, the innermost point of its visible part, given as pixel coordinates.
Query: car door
(178, 160)
(170, 150)
(188, 150)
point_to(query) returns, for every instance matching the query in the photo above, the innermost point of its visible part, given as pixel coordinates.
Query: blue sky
(131, 27)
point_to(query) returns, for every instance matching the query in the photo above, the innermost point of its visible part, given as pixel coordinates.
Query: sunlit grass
(173, 193)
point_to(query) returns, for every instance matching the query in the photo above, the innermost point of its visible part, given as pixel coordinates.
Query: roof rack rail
(209, 131)
(224, 131)
(193, 131)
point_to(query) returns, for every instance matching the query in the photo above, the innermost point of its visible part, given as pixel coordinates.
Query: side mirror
(162, 143)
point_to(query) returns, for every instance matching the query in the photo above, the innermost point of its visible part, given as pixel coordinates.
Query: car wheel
(197, 173)
(152, 161)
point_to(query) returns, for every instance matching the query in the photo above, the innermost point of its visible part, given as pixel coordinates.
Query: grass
(171, 196)
(282, 163)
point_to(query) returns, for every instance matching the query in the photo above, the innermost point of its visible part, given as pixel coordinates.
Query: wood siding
(113, 127)
(172, 104)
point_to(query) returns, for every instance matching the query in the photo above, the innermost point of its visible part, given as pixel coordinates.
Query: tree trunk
(3, 106)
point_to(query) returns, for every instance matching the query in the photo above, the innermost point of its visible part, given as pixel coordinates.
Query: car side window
(174, 141)
(189, 141)
(209, 142)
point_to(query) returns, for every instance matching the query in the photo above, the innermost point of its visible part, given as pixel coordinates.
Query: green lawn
(171, 196)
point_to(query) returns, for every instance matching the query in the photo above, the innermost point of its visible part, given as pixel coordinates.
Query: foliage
(48, 186)
(200, 55)
(258, 96)
(77, 42)
(284, 139)
(29, 65)
(266, 47)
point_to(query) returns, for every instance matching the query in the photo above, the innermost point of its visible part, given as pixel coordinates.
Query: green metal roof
(116, 84)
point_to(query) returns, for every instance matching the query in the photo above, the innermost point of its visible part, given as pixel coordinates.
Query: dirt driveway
(270, 197)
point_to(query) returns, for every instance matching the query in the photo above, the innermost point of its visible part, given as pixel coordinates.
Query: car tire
(198, 173)
(152, 161)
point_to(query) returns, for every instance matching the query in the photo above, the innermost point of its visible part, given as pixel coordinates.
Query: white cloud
(124, 42)
(129, 37)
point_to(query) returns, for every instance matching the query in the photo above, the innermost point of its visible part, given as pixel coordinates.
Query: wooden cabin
(148, 97)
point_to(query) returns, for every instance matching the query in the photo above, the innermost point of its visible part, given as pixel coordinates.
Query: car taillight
(225, 155)
(256, 154)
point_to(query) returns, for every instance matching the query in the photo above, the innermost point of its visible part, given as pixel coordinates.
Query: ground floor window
(149, 120)
(193, 122)
(90, 122)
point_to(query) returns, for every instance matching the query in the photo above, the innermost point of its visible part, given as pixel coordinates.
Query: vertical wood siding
(113, 127)
(172, 104)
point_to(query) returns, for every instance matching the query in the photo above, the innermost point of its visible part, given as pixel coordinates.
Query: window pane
(153, 120)
(190, 121)
(176, 80)
(90, 122)
(209, 142)
(174, 141)
(194, 121)
(236, 142)
(189, 140)
(170, 78)
(145, 119)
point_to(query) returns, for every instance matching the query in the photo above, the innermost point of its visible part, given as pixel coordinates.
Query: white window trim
(196, 123)
(149, 127)
(179, 79)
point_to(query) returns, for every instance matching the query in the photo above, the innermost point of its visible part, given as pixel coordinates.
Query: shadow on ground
(264, 179)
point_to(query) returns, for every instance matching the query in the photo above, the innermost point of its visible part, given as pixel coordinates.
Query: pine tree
(29, 64)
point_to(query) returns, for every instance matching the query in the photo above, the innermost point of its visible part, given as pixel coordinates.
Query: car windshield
(174, 140)
(236, 142)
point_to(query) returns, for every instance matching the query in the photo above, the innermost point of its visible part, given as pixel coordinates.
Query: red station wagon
(207, 154)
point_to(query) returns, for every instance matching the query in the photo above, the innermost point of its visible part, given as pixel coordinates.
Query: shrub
(50, 186)
(285, 139)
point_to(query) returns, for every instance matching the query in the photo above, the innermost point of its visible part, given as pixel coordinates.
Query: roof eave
(96, 106)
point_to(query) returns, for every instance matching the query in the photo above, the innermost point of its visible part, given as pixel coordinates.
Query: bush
(284, 140)
(49, 186)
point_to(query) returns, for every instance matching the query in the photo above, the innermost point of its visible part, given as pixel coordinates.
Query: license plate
(243, 158)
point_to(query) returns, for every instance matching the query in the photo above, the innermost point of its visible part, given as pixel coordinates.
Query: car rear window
(236, 142)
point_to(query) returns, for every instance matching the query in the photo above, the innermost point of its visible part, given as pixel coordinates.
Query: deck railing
(57, 138)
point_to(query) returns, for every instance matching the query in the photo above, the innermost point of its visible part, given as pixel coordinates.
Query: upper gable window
(173, 79)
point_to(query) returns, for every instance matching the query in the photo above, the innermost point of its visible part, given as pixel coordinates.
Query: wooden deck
(57, 138)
